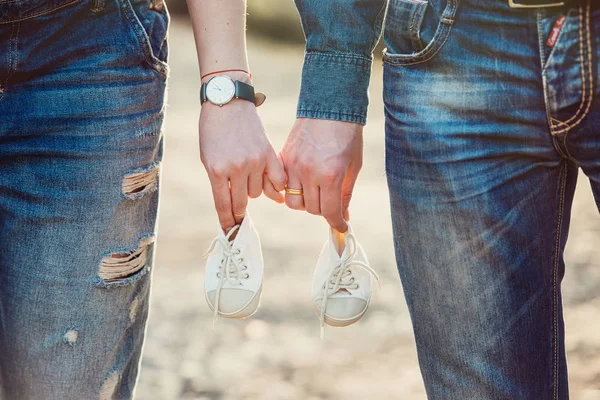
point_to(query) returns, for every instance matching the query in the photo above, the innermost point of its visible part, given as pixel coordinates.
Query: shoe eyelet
(356, 287)
(246, 276)
(352, 280)
(218, 274)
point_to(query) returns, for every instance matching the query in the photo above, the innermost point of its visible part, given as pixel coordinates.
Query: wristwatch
(221, 89)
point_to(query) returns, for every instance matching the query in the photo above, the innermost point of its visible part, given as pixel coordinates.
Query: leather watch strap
(203, 97)
(244, 91)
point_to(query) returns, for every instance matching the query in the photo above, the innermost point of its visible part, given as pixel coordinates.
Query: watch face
(220, 89)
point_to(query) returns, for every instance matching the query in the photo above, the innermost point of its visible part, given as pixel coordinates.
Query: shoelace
(341, 277)
(231, 266)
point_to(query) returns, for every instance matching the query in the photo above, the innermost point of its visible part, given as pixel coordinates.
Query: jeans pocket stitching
(40, 13)
(577, 118)
(439, 40)
(414, 32)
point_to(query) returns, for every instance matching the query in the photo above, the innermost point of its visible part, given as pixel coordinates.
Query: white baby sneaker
(342, 285)
(234, 272)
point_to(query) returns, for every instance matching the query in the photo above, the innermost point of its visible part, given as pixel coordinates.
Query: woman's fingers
(276, 172)
(239, 196)
(222, 196)
(271, 192)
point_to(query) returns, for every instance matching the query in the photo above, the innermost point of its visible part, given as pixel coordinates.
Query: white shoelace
(231, 266)
(341, 277)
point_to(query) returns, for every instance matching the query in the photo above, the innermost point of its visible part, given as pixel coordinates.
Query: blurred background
(277, 354)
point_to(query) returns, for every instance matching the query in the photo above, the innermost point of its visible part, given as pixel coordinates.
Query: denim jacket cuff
(335, 86)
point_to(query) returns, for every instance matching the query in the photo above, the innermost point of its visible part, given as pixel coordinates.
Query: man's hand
(323, 158)
(239, 159)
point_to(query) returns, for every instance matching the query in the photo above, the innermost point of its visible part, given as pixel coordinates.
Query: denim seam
(543, 64)
(40, 13)
(341, 56)
(379, 24)
(435, 46)
(557, 147)
(585, 97)
(143, 39)
(351, 117)
(11, 50)
(582, 63)
(561, 202)
(415, 35)
(543, 70)
(584, 83)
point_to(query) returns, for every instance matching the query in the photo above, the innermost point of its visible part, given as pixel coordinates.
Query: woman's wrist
(236, 75)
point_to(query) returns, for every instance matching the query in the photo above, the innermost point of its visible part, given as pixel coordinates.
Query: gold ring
(294, 191)
(239, 215)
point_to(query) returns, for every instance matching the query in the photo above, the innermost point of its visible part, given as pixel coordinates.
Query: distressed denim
(487, 125)
(82, 99)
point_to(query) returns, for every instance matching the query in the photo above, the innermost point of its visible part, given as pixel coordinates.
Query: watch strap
(242, 91)
(203, 93)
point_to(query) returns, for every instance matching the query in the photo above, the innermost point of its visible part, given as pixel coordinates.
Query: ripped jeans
(82, 98)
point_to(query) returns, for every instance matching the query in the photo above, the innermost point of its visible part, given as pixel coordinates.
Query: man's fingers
(276, 172)
(294, 201)
(239, 197)
(255, 184)
(347, 189)
(312, 201)
(347, 214)
(271, 192)
(222, 196)
(331, 207)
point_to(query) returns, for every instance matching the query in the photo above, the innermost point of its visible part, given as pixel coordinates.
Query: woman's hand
(239, 159)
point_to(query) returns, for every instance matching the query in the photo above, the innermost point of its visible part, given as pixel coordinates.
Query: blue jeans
(82, 87)
(489, 117)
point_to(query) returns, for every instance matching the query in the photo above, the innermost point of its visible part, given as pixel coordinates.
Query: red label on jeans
(558, 24)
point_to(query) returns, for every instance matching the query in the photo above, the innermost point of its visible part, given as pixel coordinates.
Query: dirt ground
(277, 354)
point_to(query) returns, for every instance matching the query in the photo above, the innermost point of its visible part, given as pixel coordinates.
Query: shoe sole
(340, 323)
(247, 311)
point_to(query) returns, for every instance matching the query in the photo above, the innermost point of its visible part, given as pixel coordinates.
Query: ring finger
(292, 200)
(312, 200)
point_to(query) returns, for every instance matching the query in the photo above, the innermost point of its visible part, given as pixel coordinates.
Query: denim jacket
(340, 38)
